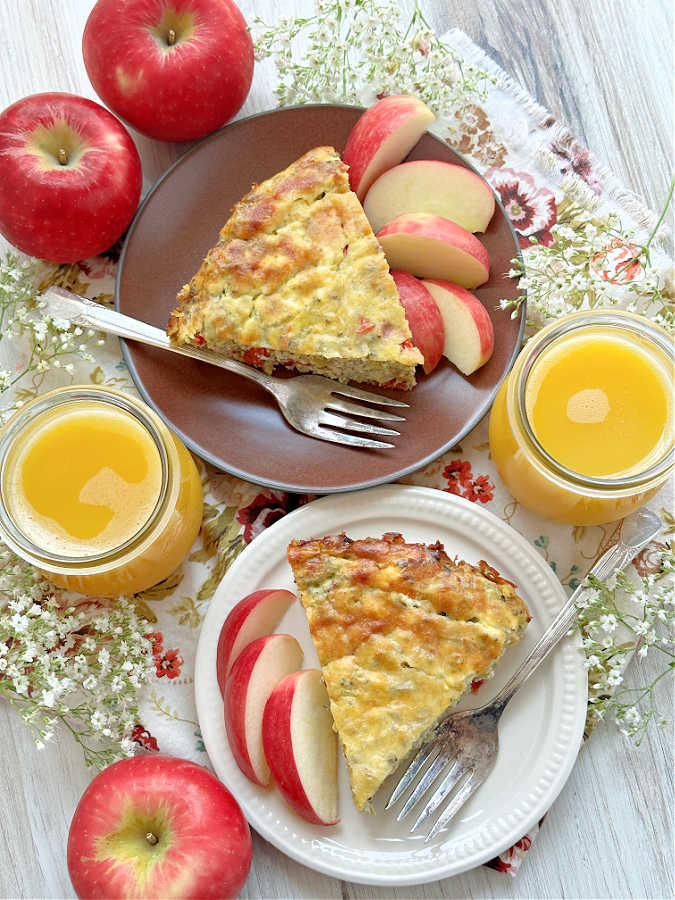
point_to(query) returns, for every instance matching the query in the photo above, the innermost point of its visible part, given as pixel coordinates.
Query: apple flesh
(174, 69)
(70, 177)
(433, 247)
(434, 187)
(255, 616)
(156, 826)
(383, 137)
(424, 319)
(301, 746)
(469, 335)
(255, 673)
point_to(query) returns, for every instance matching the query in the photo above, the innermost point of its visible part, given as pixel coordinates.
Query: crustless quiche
(298, 279)
(401, 631)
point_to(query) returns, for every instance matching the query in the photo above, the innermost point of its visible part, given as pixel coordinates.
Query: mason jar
(543, 483)
(153, 546)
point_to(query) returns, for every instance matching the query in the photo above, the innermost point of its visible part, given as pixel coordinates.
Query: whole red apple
(157, 826)
(174, 69)
(70, 177)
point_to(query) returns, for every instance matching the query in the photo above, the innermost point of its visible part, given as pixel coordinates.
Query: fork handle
(615, 559)
(87, 314)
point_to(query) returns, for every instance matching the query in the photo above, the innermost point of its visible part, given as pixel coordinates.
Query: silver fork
(312, 404)
(468, 741)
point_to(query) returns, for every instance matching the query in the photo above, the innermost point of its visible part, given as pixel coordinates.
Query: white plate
(539, 734)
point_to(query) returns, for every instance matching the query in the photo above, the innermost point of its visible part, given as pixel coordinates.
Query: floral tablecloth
(578, 229)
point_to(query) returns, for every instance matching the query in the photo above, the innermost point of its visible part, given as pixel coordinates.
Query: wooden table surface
(604, 67)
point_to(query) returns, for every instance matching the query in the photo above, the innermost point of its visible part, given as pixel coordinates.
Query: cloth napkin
(536, 166)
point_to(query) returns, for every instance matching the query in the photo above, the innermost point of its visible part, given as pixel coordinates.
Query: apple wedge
(383, 137)
(255, 616)
(434, 247)
(301, 746)
(431, 186)
(469, 335)
(424, 318)
(256, 672)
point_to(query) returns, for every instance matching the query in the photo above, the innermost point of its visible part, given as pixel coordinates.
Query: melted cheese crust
(298, 272)
(401, 631)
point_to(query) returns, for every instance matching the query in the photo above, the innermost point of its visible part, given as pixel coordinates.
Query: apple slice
(434, 247)
(431, 186)
(301, 746)
(256, 671)
(256, 615)
(383, 136)
(424, 318)
(469, 335)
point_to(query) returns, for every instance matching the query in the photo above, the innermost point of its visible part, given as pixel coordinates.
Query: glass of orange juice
(96, 492)
(581, 431)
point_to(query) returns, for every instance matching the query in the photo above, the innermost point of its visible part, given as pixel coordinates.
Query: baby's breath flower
(54, 672)
(617, 618)
(355, 51)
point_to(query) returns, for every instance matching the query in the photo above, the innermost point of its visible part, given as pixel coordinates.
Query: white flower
(614, 678)
(19, 623)
(97, 720)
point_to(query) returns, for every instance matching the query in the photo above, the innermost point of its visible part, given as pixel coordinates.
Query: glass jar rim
(610, 318)
(52, 400)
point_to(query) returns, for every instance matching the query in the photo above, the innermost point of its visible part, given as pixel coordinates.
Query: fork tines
(359, 394)
(335, 404)
(438, 760)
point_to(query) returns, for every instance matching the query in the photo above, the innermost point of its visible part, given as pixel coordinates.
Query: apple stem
(62, 156)
(171, 37)
(151, 838)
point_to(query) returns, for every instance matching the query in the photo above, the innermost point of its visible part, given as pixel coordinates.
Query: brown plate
(230, 421)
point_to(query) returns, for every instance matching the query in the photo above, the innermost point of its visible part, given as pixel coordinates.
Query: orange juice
(97, 492)
(582, 430)
(109, 480)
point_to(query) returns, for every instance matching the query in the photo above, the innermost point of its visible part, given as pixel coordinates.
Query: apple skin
(64, 212)
(301, 746)
(254, 616)
(204, 843)
(469, 333)
(434, 187)
(433, 247)
(383, 136)
(424, 318)
(171, 92)
(256, 671)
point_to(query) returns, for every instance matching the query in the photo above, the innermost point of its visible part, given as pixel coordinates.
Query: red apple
(469, 335)
(256, 672)
(383, 137)
(301, 746)
(424, 319)
(174, 69)
(157, 826)
(255, 616)
(70, 177)
(434, 187)
(434, 247)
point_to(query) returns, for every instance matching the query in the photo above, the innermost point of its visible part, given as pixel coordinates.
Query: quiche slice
(401, 631)
(298, 279)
